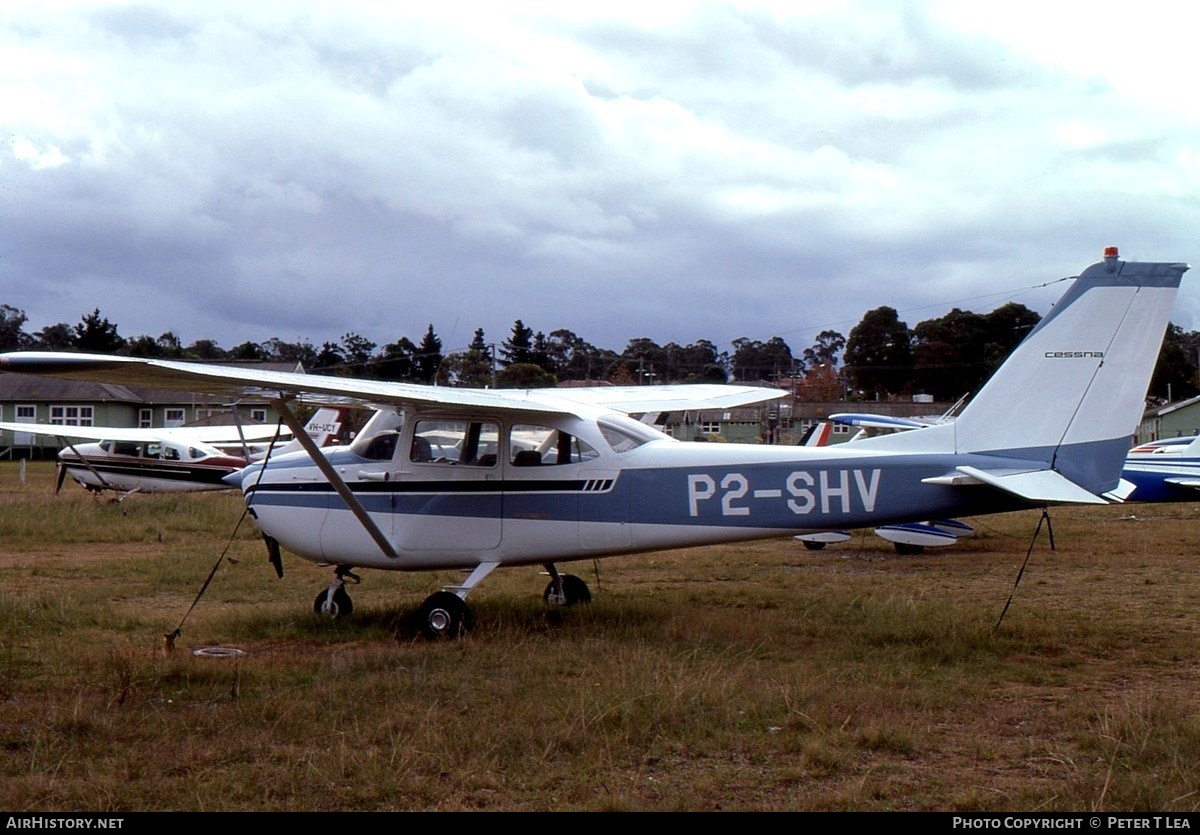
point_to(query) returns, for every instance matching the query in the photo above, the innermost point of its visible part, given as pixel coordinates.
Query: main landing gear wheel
(813, 546)
(907, 550)
(574, 590)
(445, 615)
(335, 605)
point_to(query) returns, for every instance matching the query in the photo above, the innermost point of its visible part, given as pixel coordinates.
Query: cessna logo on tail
(1072, 354)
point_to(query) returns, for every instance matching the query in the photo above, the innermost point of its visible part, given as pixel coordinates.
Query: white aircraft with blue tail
(475, 480)
(1167, 470)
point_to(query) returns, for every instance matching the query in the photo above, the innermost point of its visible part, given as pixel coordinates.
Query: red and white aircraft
(166, 460)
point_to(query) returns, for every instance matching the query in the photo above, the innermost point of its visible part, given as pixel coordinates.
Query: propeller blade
(62, 474)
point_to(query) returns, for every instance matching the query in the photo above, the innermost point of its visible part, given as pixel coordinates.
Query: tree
(247, 351)
(428, 357)
(879, 354)
(96, 335)
(519, 345)
(825, 350)
(356, 350)
(754, 360)
(12, 333)
(821, 383)
(574, 358)
(645, 361)
(948, 354)
(301, 352)
(1175, 373)
(398, 361)
(697, 362)
(473, 368)
(954, 355)
(166, 346)
(525, 375)
(329, 358)
(539, 353)
(58, 337)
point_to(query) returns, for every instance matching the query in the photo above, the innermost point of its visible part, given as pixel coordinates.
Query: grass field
(748, 677)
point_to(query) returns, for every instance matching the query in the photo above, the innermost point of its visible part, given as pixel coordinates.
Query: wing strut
(104, 484)
(336, 480)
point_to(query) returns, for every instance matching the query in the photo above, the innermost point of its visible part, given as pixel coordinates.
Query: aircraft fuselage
(146, 468)
(658, 494)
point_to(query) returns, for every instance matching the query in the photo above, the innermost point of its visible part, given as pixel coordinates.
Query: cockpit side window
(380, 437)
(382, 446)
(470, 443)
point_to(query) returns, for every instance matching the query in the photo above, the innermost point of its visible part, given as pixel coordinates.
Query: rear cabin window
(530, 445)
(627, 436)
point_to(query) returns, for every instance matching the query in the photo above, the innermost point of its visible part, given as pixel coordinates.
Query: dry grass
(750, 677)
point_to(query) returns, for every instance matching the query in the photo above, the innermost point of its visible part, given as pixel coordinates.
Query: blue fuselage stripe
(858, 491)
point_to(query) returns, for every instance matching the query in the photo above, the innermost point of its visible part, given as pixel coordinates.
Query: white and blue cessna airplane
(447, 478)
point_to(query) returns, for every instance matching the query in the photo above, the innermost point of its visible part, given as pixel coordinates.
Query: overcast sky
(678, 171)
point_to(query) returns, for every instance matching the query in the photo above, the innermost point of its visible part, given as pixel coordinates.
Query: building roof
(1171, 407)
(48, 389)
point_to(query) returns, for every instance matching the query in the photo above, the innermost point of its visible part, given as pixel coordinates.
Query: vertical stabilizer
(1070, 396)
(1072, 393)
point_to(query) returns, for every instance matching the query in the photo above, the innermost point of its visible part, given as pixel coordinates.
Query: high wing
(206, 435)
(315, 388)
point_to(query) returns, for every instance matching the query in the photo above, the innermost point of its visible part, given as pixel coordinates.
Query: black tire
(906, 550)
(575, 590)
(813, 546)
(444, 615)
(340, 607)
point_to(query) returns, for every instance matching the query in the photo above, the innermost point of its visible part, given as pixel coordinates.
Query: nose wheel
(334, 602)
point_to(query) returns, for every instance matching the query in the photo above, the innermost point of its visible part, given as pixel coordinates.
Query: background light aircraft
(909, 538)
(1164, 471)
(170, 459)
(544, 476)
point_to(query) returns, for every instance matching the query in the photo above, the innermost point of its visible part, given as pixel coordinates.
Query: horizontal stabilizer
(954, 527)
(1121, 492)
(1185, 482)
(920, 534)
(1034, 485)
(823, 536)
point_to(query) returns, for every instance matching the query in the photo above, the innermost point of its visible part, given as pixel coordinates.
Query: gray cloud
(718, 171)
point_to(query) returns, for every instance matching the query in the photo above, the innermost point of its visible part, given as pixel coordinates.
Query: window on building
(173, 417)
(71, 416)
(145, 418)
